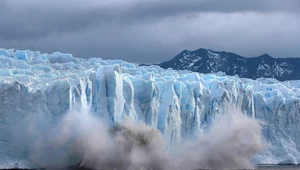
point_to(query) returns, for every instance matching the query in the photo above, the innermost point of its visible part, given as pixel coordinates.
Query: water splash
(84, 140)
(230, 143)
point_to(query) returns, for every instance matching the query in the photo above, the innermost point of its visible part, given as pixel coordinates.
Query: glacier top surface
(38, 70)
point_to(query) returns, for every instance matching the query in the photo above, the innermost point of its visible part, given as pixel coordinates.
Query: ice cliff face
(180, 104)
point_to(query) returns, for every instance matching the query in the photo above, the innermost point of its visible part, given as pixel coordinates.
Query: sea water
(278, 167)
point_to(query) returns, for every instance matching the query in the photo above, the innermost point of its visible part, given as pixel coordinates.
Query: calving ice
(38, 92)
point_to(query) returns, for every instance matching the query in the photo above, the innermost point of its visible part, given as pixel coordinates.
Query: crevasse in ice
(178, 103)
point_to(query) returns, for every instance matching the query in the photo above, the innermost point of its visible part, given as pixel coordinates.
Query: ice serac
(178, 103)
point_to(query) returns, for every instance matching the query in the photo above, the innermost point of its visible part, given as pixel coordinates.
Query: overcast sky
(151, 31)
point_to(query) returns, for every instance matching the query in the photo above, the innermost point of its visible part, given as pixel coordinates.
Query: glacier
(180, 104)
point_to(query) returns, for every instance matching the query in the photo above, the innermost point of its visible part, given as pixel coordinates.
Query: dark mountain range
(209, 61)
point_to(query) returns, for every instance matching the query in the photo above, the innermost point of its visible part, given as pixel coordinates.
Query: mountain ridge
(210, 61)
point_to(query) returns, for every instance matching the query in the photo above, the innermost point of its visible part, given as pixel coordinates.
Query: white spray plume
(230, 143)
(81, 139)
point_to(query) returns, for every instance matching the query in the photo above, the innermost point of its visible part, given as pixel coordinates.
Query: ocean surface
(261, 167)
(278, 167)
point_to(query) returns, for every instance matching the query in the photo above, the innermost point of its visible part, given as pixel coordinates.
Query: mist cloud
(83, 139)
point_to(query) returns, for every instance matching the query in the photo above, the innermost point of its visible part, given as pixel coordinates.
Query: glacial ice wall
(180, 104)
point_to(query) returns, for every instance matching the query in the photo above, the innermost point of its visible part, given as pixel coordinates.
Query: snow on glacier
(180, 104)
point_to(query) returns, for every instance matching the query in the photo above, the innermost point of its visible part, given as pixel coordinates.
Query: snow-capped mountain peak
(210, 61)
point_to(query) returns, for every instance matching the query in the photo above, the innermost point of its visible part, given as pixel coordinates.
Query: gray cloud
(151, 31)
